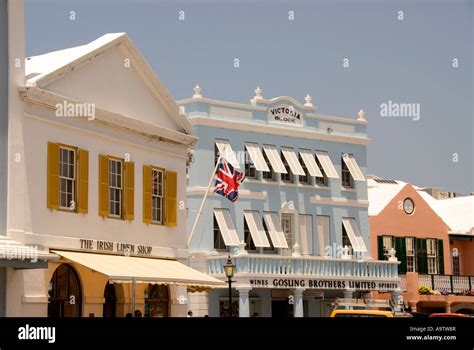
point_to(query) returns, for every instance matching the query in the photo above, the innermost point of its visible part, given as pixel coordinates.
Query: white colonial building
(96, 177)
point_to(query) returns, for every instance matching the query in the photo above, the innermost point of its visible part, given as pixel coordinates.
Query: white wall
(108, 83)
(35, 217)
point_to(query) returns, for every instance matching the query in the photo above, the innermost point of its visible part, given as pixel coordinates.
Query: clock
(408, 206)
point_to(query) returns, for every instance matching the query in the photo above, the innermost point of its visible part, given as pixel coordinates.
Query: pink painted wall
(466, 253)
(422, 223)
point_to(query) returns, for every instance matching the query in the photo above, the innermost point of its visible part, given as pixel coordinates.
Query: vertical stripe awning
(310, 162)
(327, 165)
(254, 223)
(256, 156)
(292, 160)
(354, 235)
(226, 150)
(275, 231)
(226, 226)
(353, 167)
(274, 157)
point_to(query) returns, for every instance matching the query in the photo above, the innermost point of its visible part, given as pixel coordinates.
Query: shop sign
(115, 247)
(308, 283)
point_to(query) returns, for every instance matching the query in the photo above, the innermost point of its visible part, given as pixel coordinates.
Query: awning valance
(122, 269)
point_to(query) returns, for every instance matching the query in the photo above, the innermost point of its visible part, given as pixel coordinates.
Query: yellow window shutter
(129, 184)
(83, 181)
(103, 185)
(53, 176)
(171, 206)
(147, 194)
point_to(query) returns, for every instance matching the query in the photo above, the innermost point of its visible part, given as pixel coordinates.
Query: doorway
(281, 309)
(110, 304)
(65, 293)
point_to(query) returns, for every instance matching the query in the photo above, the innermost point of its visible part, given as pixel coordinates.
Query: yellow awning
(143, 270)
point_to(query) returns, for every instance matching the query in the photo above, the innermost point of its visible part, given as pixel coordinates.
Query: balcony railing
(257, 264)
(450, 283)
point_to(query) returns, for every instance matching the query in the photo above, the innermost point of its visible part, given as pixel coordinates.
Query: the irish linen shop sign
(285, 114)
(115, 247)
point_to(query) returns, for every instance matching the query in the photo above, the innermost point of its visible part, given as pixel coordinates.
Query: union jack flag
(228, 180)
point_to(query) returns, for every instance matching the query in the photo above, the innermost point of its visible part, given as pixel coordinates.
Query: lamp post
(229, 270)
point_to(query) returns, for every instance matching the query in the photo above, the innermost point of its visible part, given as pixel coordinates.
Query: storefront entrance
(281, 309)
(65, 293)
(156, 300)
(110, 304)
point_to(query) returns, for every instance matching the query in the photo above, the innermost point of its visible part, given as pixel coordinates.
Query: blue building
(299, 232)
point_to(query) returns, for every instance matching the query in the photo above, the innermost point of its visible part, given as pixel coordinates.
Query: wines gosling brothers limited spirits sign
(285, 114)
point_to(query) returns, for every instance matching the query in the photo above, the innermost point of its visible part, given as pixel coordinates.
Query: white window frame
(389, 242)
(157, 195)
(67, 177)
(432, 256)
(411, 255)
(118, 186)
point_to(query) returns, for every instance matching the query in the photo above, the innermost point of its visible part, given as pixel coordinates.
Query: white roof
(380, 194)
(457, 213)
(36, 67)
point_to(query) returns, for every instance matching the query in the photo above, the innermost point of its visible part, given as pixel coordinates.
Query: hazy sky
(403, 61)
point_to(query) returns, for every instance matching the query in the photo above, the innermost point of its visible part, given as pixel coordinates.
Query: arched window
(109, 307)
(65, 293)
(156, 300)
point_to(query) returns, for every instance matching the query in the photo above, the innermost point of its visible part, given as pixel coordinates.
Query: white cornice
(336, 119)
(222, 103)
(286, 98)
(339, 201)
(273, 130)
(49, 99)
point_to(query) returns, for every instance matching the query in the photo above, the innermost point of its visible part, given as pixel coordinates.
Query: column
(348, 294)
(244, 305)
(298, 302)
(397, 301)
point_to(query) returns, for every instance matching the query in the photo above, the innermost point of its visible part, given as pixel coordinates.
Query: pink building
(434, 242)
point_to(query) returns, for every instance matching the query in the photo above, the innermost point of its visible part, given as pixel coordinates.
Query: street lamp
(229, 270)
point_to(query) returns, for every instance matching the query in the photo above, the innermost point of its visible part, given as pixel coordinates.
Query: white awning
(274, 158)
(353, 167)
(257, 231)
(122, 269)
(292, 161)
(274, 229)
(229, 155)
(354, 235)
(310, 162)
(327, 165)
(226, 226)
(256, 155)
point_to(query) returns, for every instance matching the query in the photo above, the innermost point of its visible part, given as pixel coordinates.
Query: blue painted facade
(279, 192)
(260, 274)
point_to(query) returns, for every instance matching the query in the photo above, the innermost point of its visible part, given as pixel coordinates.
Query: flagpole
(198, 215)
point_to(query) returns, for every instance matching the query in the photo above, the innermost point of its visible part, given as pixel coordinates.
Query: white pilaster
(244, 306)
(298, 302)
